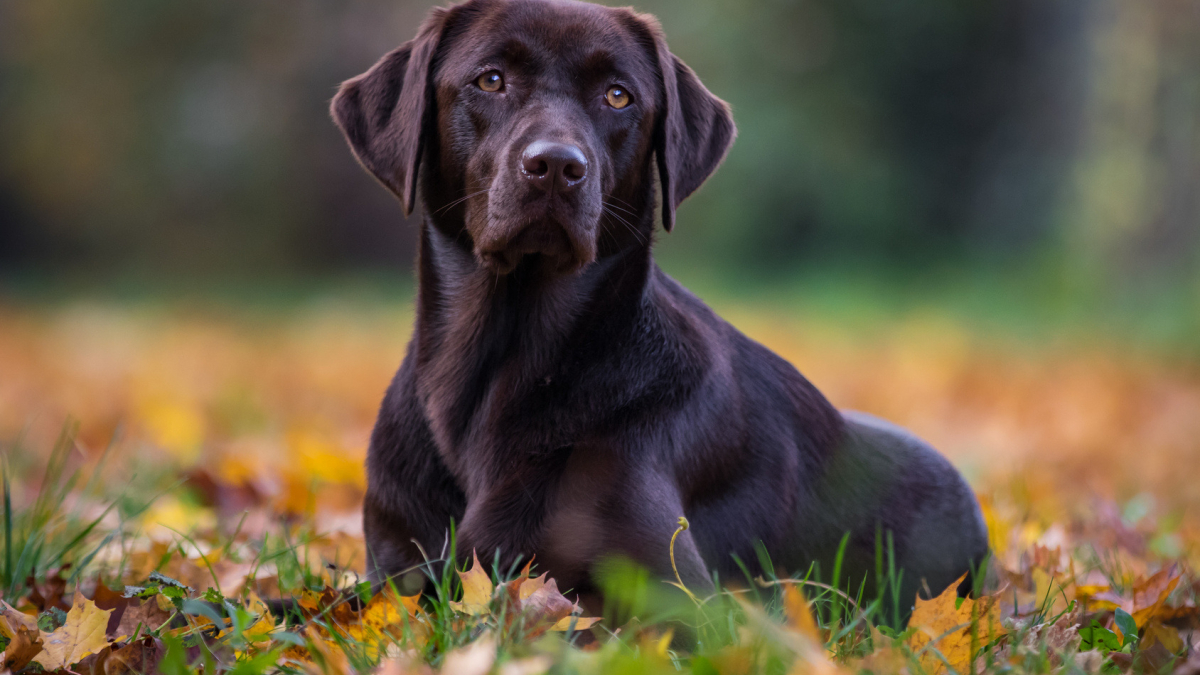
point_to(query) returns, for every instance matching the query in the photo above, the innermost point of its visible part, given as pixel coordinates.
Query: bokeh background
(1058, 140)
(980, 219)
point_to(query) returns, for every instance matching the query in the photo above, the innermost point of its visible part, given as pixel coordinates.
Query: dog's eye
(492, 80)
(617, 97)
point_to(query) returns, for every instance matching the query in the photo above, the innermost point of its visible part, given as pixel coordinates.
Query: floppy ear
(694, 134)
(382, 112)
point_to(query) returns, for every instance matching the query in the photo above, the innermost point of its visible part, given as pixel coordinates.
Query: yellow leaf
(579, 622)
(330, 659)
(529, 586)
(264, 624)
(82, 634)
(956, 632)
(800, 617)
(477, 590)
(1157, 633)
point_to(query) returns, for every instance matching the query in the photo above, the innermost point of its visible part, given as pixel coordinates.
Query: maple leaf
(538, 602)
(82, 634)
(956, 630)
(107, 598)
(477, 590)
(387, 615)
(1148, 602)
(24, 638)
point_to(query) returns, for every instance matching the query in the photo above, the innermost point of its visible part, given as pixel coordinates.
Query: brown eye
(617, 97)
(492, 80)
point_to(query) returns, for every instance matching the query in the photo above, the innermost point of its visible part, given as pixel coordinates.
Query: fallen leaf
(49, 594)
(106, 598)
(1150, 596)
(82, 634)
(137, 657)
(264, 623)
(799, 615)
(955, 631)
(142, 617)
(1157, 633)
(17, 618)
(477, 590)
(576, 623)
(327, 658)
(24, 642)
(543, 607)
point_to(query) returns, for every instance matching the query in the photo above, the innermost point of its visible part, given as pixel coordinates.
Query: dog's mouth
(546, 241)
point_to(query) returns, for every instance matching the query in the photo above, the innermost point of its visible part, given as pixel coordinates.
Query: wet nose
(553, 167)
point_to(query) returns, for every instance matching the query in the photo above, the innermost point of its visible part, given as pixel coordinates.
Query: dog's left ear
(383, 111)
(695, 130)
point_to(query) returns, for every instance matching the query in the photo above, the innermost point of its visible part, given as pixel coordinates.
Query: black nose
(554, 167)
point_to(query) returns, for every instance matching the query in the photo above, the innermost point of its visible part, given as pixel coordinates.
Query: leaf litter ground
(213, 465)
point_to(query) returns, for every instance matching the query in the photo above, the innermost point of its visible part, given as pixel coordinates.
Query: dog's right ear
(383, 111)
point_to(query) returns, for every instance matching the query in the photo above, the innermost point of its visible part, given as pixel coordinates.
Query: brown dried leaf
(1150, 595)
(137, 657)
(24, 641)
(49, 594)
(148, 614)
(106, 598)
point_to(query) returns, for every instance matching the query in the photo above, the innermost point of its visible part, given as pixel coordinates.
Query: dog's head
(536, 122)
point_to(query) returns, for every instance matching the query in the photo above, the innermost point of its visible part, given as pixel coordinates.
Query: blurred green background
(1018, 157)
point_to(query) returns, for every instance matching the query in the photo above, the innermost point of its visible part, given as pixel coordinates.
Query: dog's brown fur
(564, 398)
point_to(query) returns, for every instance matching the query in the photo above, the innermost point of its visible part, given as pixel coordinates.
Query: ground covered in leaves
(170, 475)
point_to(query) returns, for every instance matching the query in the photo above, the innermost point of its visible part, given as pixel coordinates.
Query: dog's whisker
(629, 226)
(614, 198)
(460, 200)
(625, 211)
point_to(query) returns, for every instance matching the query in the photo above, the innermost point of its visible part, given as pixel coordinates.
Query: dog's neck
(477, 332)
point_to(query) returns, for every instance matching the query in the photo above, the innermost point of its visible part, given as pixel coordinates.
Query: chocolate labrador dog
(564, 398)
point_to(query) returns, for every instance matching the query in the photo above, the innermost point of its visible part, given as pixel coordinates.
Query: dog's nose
(553, 167)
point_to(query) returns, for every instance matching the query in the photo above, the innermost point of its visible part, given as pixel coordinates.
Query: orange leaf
(1150, 595)
(799, 615)
(957, 632)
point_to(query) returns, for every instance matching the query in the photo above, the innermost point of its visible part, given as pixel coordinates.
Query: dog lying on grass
(564, 398)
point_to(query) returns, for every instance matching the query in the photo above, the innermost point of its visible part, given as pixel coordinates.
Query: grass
(648, 625)
(223, 451)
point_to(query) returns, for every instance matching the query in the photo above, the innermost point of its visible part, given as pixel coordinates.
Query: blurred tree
(193, 136)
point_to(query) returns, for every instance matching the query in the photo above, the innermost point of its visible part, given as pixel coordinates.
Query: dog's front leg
(411, 495)
(643, 521)
(505, 517)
